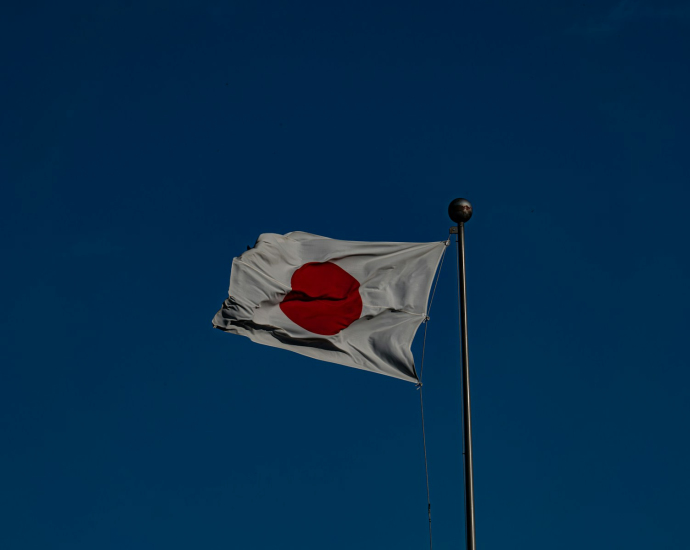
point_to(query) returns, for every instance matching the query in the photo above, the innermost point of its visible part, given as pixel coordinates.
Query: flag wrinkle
(261, 272)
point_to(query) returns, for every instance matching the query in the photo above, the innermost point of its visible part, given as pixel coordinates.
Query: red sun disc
(324, 298)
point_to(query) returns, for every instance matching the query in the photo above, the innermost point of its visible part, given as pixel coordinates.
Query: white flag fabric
(354, 303)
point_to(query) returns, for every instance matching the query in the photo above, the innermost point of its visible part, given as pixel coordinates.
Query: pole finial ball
(460, 210)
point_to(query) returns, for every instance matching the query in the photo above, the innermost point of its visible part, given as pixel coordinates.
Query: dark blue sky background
(144, 144)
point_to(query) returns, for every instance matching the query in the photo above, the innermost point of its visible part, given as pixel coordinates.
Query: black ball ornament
(460, 210)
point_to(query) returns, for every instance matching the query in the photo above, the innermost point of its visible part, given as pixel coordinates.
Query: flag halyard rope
(431, 301)
(426, 468)
(421, 398)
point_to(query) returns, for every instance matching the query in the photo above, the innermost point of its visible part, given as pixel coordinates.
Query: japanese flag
(354, 303)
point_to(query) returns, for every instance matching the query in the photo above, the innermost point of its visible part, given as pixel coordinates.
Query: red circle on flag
(324, 298)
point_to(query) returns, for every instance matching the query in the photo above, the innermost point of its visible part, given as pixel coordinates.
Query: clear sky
(144, 144)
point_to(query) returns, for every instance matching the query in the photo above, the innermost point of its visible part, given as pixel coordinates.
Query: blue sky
(145, 144)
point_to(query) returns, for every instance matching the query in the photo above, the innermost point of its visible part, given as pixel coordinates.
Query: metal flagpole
(460, 211)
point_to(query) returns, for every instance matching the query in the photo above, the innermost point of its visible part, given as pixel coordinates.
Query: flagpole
(460, 211)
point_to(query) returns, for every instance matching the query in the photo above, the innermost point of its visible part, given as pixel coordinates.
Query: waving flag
(354, 303)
